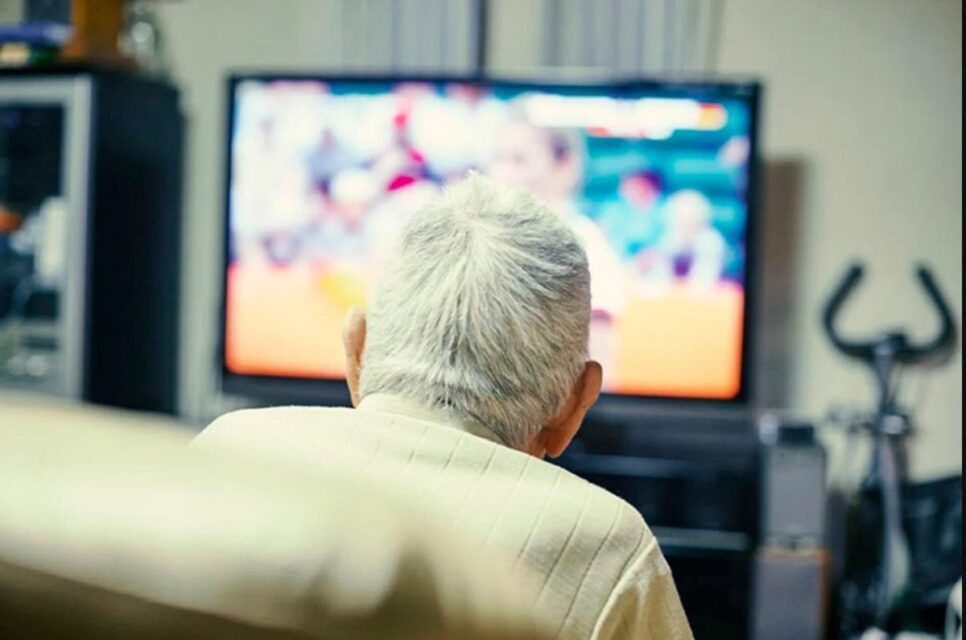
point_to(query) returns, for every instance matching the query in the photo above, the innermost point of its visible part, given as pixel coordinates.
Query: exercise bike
(877, 561)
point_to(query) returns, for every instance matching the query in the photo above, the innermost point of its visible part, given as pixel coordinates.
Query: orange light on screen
(683, 344)
(287, 322)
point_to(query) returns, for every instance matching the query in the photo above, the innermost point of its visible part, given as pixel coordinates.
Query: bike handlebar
(905, 351)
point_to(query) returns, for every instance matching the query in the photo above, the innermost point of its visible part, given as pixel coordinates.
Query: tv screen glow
(654, 181)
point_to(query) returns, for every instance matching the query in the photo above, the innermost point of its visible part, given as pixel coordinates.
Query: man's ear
(354, 341)
(557, 435)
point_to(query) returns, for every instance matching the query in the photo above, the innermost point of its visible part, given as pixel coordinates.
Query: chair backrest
(114, 532)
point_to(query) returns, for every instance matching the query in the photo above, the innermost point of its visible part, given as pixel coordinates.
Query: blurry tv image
(653, 178)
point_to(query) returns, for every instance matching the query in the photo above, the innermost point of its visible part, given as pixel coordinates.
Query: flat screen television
(656, 178)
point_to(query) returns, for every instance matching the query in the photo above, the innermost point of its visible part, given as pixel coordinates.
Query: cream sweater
(599, 570)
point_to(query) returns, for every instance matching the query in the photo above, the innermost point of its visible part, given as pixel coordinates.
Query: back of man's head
(482, 309)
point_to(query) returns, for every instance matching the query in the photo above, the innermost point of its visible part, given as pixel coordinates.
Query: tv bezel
(333, 391)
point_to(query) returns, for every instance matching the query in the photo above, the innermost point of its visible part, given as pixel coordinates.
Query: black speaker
(90, 224)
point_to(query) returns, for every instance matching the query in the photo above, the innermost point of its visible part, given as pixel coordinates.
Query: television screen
(653, 178)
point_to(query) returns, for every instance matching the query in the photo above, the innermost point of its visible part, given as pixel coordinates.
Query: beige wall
(863, 96)
(207, 40)
(867, 95)
(11, 11)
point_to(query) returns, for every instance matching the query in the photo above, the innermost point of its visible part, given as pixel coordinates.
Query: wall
(206, 40)
(863, 102)
(867, 95)
(11, 11)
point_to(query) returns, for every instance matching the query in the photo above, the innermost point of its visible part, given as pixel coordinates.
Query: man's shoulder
(588, 532)
(625, 521)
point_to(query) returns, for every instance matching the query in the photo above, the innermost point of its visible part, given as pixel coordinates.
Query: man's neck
(422, 410)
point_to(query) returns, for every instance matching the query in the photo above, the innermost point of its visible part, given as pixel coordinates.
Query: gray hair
(483, 309)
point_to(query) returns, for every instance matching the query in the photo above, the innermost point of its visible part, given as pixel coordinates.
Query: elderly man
(466, 370)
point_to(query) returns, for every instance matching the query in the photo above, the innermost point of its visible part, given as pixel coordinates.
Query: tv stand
(694, 476)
